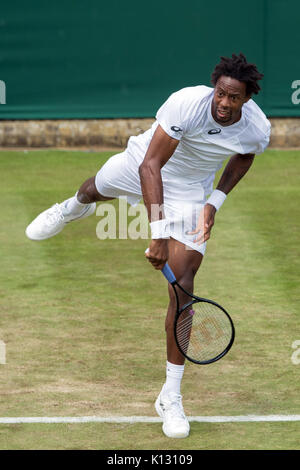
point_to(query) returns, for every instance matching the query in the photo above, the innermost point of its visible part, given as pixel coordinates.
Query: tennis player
(172, 167)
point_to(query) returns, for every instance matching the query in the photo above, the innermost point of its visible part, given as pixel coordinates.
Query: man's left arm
(234, 171)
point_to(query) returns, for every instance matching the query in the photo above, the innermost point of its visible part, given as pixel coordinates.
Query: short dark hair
(237, 67)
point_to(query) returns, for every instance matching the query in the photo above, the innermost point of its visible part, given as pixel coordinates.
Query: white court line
(148, 419)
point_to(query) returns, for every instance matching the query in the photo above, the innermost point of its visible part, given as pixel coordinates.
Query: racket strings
(203, 331)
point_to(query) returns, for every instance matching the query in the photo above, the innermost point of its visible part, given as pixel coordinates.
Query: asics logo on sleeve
(176, 129)
(214, 131)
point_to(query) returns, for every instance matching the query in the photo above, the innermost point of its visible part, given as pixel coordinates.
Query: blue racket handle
(168, 273)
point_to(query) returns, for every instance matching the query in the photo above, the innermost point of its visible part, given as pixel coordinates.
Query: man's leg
(88, 192)
(185, 264)
(80, 206)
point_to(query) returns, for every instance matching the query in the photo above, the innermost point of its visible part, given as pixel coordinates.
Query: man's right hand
(158, 253)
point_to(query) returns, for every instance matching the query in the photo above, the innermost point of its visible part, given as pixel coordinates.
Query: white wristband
(159, 229)
(216, 198)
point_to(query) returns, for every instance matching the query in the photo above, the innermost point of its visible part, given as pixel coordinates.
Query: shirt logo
(215, 131)
(176, 129)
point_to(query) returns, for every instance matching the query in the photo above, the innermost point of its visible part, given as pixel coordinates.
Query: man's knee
(88, 192)
(185, 277)
(186, 280)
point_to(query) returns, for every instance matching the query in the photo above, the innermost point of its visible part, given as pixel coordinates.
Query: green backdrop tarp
(95, 59)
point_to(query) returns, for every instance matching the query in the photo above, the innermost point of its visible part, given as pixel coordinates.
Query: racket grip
(168, 273)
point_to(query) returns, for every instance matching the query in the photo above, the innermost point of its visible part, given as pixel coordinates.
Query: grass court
(82, 319)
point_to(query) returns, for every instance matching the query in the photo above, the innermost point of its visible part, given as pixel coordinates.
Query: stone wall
(71, 133)
(111, 133)
(285, 133)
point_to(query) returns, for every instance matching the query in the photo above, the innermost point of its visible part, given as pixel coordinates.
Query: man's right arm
(160, 150)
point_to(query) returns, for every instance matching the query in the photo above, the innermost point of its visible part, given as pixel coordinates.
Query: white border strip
(148, 419)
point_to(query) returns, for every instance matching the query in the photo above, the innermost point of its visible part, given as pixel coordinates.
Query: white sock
(174, 374)
(72, 206)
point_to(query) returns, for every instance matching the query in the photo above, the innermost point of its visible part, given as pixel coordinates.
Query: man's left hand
(205, 224)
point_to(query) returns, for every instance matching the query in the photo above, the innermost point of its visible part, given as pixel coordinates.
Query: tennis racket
(204, 331)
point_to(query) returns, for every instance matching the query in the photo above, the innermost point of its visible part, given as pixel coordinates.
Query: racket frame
(179, 311)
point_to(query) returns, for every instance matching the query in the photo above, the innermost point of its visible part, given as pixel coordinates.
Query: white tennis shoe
(52, 221)
(169, 408)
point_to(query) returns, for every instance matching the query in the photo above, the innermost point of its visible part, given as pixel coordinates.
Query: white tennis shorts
(119, 177)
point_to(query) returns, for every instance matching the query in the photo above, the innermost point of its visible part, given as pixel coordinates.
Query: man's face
(229, 97)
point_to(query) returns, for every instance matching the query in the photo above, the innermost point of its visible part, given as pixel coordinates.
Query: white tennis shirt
(204, 144)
